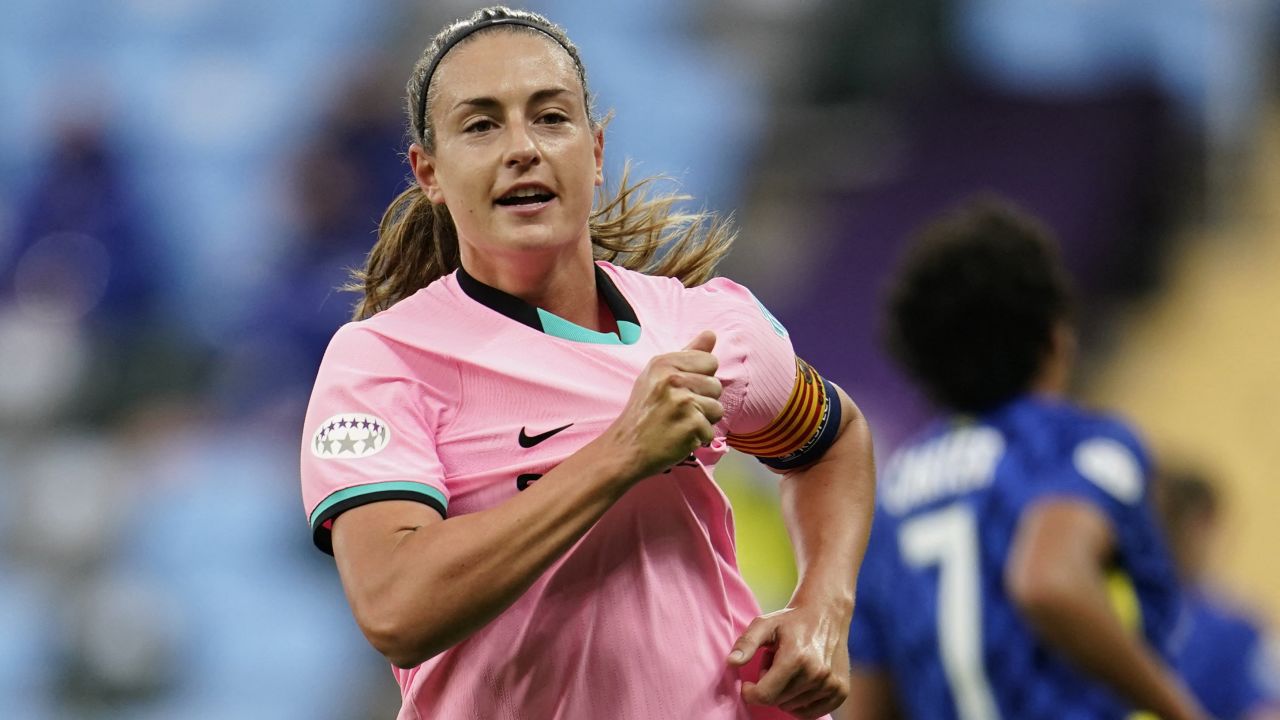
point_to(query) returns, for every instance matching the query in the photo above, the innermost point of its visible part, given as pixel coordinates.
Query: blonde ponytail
(650, 235)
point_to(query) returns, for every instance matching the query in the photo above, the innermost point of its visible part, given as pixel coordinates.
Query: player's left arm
(827, 505)
(1056, 576)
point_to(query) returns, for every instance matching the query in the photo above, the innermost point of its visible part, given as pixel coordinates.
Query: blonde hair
(632, 227)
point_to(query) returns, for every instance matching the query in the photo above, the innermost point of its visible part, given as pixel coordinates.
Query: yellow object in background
(764, 550)
(1124, 599)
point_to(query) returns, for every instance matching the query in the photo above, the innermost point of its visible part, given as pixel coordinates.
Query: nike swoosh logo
(528, 441)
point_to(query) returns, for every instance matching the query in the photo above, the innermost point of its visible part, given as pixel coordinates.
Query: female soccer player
(509, 454)
(1016, 569)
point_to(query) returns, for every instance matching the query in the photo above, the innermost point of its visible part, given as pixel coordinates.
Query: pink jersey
(462, 395)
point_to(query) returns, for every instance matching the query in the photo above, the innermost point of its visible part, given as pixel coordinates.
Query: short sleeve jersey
(1227, 661)
(932, 609)
(461, 396)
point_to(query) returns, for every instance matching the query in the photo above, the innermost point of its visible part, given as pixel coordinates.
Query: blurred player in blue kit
(1226, 658)
(1016, 569)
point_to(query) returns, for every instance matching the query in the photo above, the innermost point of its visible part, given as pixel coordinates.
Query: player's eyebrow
(491, 103)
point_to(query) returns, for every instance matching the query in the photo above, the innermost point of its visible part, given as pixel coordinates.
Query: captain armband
(805, 428)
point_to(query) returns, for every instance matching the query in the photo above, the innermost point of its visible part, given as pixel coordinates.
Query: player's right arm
(418, 583)
(1056, 575)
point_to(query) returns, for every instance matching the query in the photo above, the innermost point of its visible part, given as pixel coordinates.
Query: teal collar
(554, 325)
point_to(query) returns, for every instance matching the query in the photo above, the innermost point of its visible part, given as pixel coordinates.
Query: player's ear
(424, 171)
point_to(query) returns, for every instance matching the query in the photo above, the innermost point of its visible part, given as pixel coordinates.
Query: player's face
(1193, 545)
(516, 159)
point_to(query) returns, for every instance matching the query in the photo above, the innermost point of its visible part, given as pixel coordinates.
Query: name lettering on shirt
(960, 461)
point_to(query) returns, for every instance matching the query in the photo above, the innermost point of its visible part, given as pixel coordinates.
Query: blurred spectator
(80, 309)
(1228, 660)
(79, 271)
(213, 532)
(152, 572)
(149, 567)
(83, 250)
(341, 179)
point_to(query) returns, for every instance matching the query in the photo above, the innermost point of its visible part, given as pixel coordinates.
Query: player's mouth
(526, 198)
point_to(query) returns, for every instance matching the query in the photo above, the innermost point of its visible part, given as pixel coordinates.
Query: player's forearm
(1073, 615)
(827, 507)
(449, 579)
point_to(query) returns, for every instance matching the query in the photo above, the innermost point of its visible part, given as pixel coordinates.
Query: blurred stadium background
(183, 182)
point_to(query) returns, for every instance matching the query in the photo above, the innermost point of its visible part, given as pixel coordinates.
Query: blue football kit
(1226, 659)
(932, 608)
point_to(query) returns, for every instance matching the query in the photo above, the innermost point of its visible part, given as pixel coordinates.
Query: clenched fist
(674, 405)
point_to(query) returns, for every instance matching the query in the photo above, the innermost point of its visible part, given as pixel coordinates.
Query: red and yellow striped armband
(803, 430)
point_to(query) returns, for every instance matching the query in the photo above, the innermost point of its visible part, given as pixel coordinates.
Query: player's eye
(553, 118)
(478, 126)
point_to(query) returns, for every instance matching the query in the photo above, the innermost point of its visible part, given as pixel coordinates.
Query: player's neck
(562, 283)
(1054, 377)
(1053, 381)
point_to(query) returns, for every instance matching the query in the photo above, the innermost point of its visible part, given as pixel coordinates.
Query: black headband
(459, 37)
